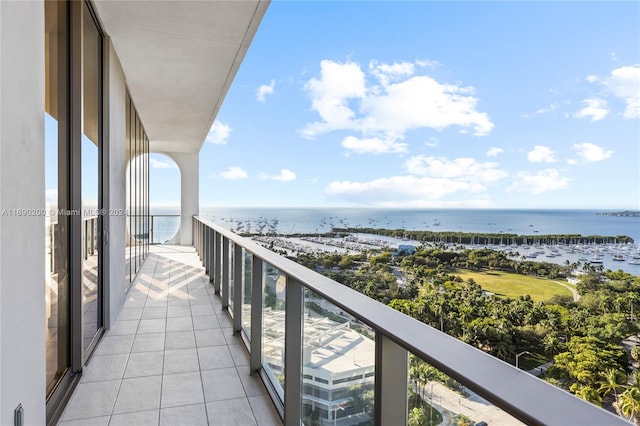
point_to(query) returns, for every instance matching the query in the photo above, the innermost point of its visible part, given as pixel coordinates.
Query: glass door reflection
(57, 296)
(90, 179)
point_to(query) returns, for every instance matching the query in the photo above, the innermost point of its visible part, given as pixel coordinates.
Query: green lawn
(529, 361)
(514, 285)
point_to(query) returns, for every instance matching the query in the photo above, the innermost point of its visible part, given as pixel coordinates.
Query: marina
(299, 230)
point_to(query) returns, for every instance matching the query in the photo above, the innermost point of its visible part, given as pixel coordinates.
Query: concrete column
(189, 164)
(392, 364)
(22, 238)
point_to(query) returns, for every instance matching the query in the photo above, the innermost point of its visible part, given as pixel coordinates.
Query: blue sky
(429, 105)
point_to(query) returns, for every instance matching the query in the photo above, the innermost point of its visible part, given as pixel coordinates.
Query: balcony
(171, 356)
(232, 333)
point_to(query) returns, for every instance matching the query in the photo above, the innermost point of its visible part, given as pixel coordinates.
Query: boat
(597, 257)
(618, 258)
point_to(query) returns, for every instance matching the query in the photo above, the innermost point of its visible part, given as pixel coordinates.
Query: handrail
(515, 391)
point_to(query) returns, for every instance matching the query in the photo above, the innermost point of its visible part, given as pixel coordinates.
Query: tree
(584, 364)
(612, 381)
(462, 420)
(314, 419)
(629, 403)
(587, 393)
(417, 417)
(361, 398)
(635, 353)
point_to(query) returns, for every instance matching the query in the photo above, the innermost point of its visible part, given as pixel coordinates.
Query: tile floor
(170, 357)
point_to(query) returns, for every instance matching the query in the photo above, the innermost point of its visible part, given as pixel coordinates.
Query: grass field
(514, 285)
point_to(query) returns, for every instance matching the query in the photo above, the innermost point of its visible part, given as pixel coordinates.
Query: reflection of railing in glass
(89, 239)
(90, 234)
(331, 355)
(162, 227)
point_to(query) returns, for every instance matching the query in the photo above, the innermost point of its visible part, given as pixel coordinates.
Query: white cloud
(399, 190)
(234, 173)
(541, 154)
(399, 101)
(422, 102)
(429, 182)
(51, 197)
(285, 175)
(387, 73)
(544, 110)
(373, 145)
(330, 94)
(595, 109)
(537, 183)
(461, 169)
(592, 78)
(551, 107)
(158, 164)
(494, 151)
(264, 90)
(624, 83)
(591, 153)
(427, 63)
(219, 133)
(432, 143)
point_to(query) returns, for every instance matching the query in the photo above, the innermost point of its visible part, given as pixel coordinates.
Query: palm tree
(417, 417)
(589, 394)
(612, 381)
(629, 403)
(462, 420)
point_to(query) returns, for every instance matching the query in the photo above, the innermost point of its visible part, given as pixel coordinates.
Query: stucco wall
(116, 186)
(22, 238)
(189, 192)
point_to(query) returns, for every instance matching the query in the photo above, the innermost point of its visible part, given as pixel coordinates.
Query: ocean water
(521, 222)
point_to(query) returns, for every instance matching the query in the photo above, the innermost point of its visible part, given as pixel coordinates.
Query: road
(451, 403)
(573, 291)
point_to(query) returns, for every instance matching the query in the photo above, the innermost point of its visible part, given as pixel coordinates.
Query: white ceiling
(179, 59)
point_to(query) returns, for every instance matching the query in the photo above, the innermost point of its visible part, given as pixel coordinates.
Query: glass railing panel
(163, 228)
(231, 260)
(246, 292)
(433, 396)
(338, 366)
(436, 399)
(274, 284)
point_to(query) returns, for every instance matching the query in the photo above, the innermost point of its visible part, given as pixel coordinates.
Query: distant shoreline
(626, 213)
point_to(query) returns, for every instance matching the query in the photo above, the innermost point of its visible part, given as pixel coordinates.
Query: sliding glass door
(90, 165)
(74, 209)
(57, 284)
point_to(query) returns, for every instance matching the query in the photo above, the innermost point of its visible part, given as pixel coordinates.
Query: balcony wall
(22, 195)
